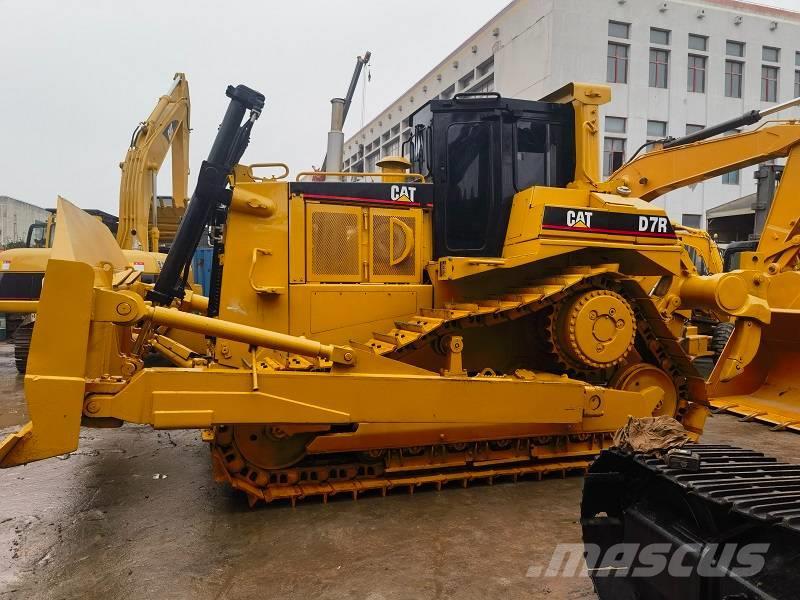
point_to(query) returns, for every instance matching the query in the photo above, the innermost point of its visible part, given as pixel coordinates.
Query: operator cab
(481, 149)
(37, 235)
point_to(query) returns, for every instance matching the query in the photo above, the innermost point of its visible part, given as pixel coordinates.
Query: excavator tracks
(736, 499)
(348, 473)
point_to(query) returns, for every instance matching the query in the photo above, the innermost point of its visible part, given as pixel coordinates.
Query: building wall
(533, 47)
(15, 218)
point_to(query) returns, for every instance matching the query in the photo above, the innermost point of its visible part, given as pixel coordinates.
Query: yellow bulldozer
(487, 313)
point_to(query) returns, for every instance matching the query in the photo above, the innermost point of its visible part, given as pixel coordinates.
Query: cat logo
(402, 193)
(579, 218)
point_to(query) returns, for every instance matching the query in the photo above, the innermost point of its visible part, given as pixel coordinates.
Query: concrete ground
(135, 513)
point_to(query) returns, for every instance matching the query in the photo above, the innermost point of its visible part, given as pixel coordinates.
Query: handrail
(417, 176)
(283, 175)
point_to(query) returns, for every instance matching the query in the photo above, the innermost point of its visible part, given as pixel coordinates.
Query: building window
(486, 86)
(657, 129)
(770, 54)
(613, 154)
(486, 66)
(616, 124)
(797, 84)
(370, 162)
(734, 48)
(392, 148)
(698, 42)
(692, 128)
(691, 220)
(619, 30)
(659, 36)
(731, 178)
(769, 84)
(696, 76)
(797, 59)
(659, 68)
(617, 63)
(733, 78)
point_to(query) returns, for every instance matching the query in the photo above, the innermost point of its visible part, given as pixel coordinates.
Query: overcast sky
(76, 76)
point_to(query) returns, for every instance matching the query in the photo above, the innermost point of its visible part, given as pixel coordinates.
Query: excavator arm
(654, 174)
(755, 375)
(144, 220)
(684, 162)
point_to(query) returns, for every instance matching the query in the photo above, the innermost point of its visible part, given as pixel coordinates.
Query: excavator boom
(755, 376)
(146, 220)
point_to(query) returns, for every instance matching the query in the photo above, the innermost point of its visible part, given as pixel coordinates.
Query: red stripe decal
(354, 199)
(610, 231)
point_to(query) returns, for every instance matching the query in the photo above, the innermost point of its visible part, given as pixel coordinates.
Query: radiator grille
(335, 243)
(384, 253)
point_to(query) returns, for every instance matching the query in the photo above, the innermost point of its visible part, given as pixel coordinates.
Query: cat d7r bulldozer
(484, 315)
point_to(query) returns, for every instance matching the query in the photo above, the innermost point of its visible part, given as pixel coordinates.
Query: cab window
(469, 185)
(36, 235)
(531, 154)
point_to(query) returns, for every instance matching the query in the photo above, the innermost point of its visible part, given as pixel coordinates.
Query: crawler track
(407, 482)
(357, 472)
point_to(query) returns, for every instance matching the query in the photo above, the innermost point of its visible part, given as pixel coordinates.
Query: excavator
(481, 316)
(706, 512)
(147, 222)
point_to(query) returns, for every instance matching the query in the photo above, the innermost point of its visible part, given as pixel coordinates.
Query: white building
(16, 217)
(674, 66)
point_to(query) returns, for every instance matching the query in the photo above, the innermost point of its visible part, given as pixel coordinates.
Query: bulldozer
(478, 312)
(147, 221)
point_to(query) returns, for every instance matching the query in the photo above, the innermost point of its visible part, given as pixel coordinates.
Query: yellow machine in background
(22, 272)
(763, 359)
(702, 333)
(483, 317)
(147, 222)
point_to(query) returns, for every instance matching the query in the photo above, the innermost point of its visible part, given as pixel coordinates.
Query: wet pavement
(135, 513)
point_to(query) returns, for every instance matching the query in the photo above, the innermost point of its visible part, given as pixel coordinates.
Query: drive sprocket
(591, 330)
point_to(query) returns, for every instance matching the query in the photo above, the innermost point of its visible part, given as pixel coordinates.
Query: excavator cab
(37, 235)
(481, 149)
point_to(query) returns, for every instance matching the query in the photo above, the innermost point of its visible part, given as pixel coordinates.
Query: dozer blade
(768, 388)
(54, 383)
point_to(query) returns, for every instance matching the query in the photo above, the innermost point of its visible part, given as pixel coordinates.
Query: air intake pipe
(333, 157)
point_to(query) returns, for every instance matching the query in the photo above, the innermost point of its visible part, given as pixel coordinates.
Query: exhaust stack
(333, 158)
